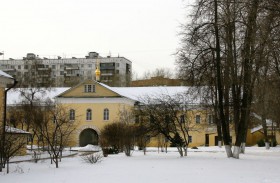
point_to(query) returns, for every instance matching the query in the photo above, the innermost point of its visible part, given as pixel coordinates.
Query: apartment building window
(89, 65)
(117, 64)
(210, 119)
(53, 67)
(106, 114)
(25, 66)
(197, 119)
(89, 88)
(72, 114)
(61, 73)
(19, 67)
(89, 115)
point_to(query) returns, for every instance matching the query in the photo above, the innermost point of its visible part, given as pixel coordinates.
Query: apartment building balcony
(71, 75)
(71, 67)
(107, 67)
(107, 74)
(43, 69)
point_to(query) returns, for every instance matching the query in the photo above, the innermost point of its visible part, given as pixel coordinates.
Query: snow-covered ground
(206, 164)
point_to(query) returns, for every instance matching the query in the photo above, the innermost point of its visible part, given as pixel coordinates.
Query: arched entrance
(88, 136)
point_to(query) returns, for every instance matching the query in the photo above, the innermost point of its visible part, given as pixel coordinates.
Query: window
(197, 119)
(53, 67)
(72, 115)
(182, 119)
(106, 114)
(19, 67)
(117, 64)
(89, 65)
(89, 114)
(210, 119)
(25, 66)
(190, 139)
(61, 73)
(89, 88)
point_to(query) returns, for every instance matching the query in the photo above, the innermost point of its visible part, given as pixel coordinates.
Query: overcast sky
(144, 31)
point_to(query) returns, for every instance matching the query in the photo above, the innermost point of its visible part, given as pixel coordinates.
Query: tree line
(232, 47)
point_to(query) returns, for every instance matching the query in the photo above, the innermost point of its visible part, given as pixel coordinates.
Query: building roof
(14, 96)
(3, 74)
(269, 123)
(133, 93)
(10, 129)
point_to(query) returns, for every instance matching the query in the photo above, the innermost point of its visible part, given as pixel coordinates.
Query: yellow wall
(97, 123)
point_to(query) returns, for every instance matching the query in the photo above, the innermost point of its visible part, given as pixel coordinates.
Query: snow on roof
(5, 74)
(15, 97)
(259, 127)
(137, 93)
(133, 93)
(10, 129)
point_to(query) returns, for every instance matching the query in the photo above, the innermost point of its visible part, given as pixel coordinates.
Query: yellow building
(91, 105)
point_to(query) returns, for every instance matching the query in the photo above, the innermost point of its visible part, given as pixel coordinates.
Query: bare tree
(167, 115)
(227, 40)
(14, 143)
(56, 129)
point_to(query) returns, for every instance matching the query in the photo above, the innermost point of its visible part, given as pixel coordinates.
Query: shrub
(92, 158)
(261, 143)
(117, 137)
(177, 141)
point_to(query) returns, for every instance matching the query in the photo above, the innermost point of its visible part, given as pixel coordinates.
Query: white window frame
(89, 88)
(88, 114)
(106, 114)
(72, 114)
(197, 119)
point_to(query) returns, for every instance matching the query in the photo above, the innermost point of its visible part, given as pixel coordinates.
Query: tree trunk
(236, 151)
(267, 145)
(220, 144)
(228, 151)
(226, 136)
(242, 149)
(185, 151)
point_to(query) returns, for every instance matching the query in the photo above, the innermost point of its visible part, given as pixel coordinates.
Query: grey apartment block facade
(115, 71)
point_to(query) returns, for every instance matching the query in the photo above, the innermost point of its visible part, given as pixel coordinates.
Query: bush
(177, 141)
(261, 143)
(117, 137)
(92, 158)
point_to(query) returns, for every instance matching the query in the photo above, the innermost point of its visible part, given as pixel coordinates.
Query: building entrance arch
(88, 136)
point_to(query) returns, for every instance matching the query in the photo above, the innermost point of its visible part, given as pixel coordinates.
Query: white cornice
(119, 100)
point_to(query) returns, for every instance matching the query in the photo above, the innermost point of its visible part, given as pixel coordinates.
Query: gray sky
(144, 31)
